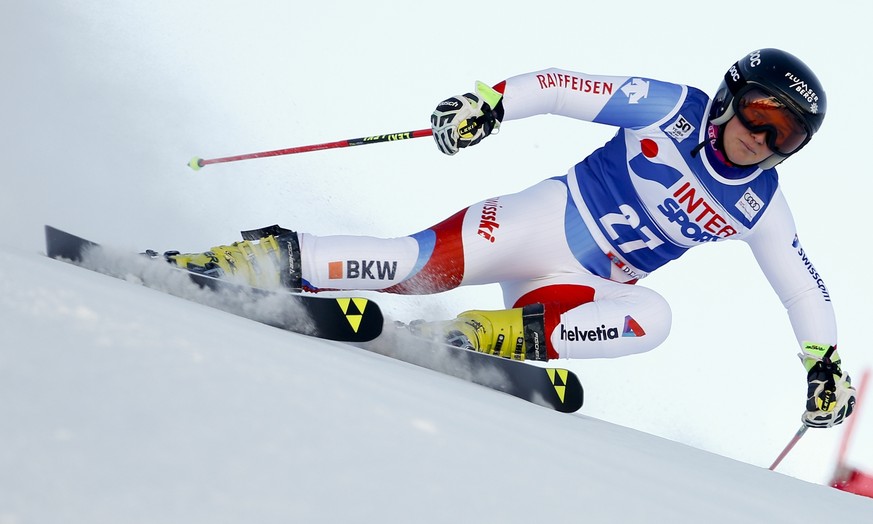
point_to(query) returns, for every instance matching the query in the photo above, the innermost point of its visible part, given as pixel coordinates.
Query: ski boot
(268, 258)
(517, 334)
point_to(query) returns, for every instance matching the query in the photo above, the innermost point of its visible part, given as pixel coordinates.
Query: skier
(683, 170)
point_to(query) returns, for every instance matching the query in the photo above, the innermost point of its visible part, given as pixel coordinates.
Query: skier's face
(742, 146)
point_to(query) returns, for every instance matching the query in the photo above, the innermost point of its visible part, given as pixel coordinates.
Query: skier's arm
(632, 102)
(792, 275)
(830, 396)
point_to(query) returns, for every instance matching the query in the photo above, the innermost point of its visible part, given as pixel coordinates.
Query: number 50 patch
(680, 129)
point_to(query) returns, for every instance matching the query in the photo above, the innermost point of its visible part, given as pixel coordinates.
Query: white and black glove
(830, 397)
(464, 120)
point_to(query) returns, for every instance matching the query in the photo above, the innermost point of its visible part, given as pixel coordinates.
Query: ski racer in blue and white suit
(682, 170)
(643, 199)
(662, 185)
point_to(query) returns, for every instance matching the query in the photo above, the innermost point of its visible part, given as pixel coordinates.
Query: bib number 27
(629, 218)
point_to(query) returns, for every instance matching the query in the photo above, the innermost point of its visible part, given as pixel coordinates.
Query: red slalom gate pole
(196, 163)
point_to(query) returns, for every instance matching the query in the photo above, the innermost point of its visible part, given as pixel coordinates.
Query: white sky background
(104, 103)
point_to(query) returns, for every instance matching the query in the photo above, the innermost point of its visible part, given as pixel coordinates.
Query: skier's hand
(464, 120)
(830, 395)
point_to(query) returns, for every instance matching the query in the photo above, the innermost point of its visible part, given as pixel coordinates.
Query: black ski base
(549, 386)
(347, 319)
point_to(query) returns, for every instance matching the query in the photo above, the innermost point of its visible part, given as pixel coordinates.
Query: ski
(346, 319)
(548, 386)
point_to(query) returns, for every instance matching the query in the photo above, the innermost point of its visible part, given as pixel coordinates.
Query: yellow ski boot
(517, 334)
(266, 258)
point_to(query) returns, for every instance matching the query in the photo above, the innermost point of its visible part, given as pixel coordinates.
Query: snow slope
(122, 404)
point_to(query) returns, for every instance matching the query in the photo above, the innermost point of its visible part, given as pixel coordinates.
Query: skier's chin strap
(715, 138)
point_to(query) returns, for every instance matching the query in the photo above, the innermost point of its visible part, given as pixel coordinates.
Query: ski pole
(196, 163)
(790, 445)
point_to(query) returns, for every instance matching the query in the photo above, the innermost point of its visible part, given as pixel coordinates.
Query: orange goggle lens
(761, 112)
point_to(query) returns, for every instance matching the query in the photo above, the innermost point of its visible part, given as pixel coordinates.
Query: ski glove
(464, 120)
(830, 396)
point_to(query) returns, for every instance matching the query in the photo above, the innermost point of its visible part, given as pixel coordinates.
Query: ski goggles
(761, 112)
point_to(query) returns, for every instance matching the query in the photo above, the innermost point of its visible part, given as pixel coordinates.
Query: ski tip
(568, 388)
(60, 244)
(196, 163)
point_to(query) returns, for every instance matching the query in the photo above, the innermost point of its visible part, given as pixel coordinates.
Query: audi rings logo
(750, 204)
(750, 199)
